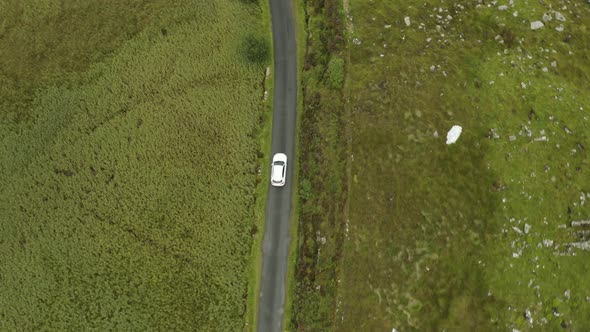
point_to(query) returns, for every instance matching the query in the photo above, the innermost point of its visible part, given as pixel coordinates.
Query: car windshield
(278, 162)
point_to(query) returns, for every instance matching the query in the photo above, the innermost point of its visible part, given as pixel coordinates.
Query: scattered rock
(548, 243)
(559, 16)
(527, 228)
(503, 7)
(528, 316)
(453, 134)
(541, 139)
(581, 245)
(537, 25)
(544, 69)
(566, 294)
(356, 41)
(559, 28)
(407, 20)
(512, 138)
(523, 85)
(553, 63)
(567, 130)
(546, 17)
(492, 133)
(580, 223)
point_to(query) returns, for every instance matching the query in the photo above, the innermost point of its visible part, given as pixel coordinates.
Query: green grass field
(455, 234)
(474, 236)
(128, 163)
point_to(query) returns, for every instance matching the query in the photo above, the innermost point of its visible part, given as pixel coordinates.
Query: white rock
(547, 17)
(548, 243)
(554, 64)
(515, 14)
(527, 228)
(503, 7)
(453, 134)
(559, 16)
(523, 85)
(567, 294)
(407, 20)
(544, 69)
(559, 28)
(580, 223)
(387, 26)
(537, 25)
(528, 316)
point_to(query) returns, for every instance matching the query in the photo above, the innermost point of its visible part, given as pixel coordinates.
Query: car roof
(277, 172)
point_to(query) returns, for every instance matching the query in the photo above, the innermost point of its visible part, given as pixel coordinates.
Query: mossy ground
(434, 237)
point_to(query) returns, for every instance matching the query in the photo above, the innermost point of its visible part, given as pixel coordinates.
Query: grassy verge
(255, 267)
(475, 235)
(299, 8)
(265, 141)
(128, 169)
(321, 172)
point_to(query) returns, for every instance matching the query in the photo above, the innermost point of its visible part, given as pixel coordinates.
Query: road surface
(278, 206)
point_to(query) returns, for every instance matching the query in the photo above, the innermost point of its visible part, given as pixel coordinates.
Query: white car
(278, 170)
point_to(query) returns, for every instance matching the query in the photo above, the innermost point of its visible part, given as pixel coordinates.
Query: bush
(255, 48)
(335, 73)
(306, 190)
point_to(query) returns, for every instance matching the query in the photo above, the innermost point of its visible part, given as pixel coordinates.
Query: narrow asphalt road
(278, 206)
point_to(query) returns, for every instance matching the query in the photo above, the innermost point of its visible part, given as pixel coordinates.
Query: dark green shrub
(255, 49)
